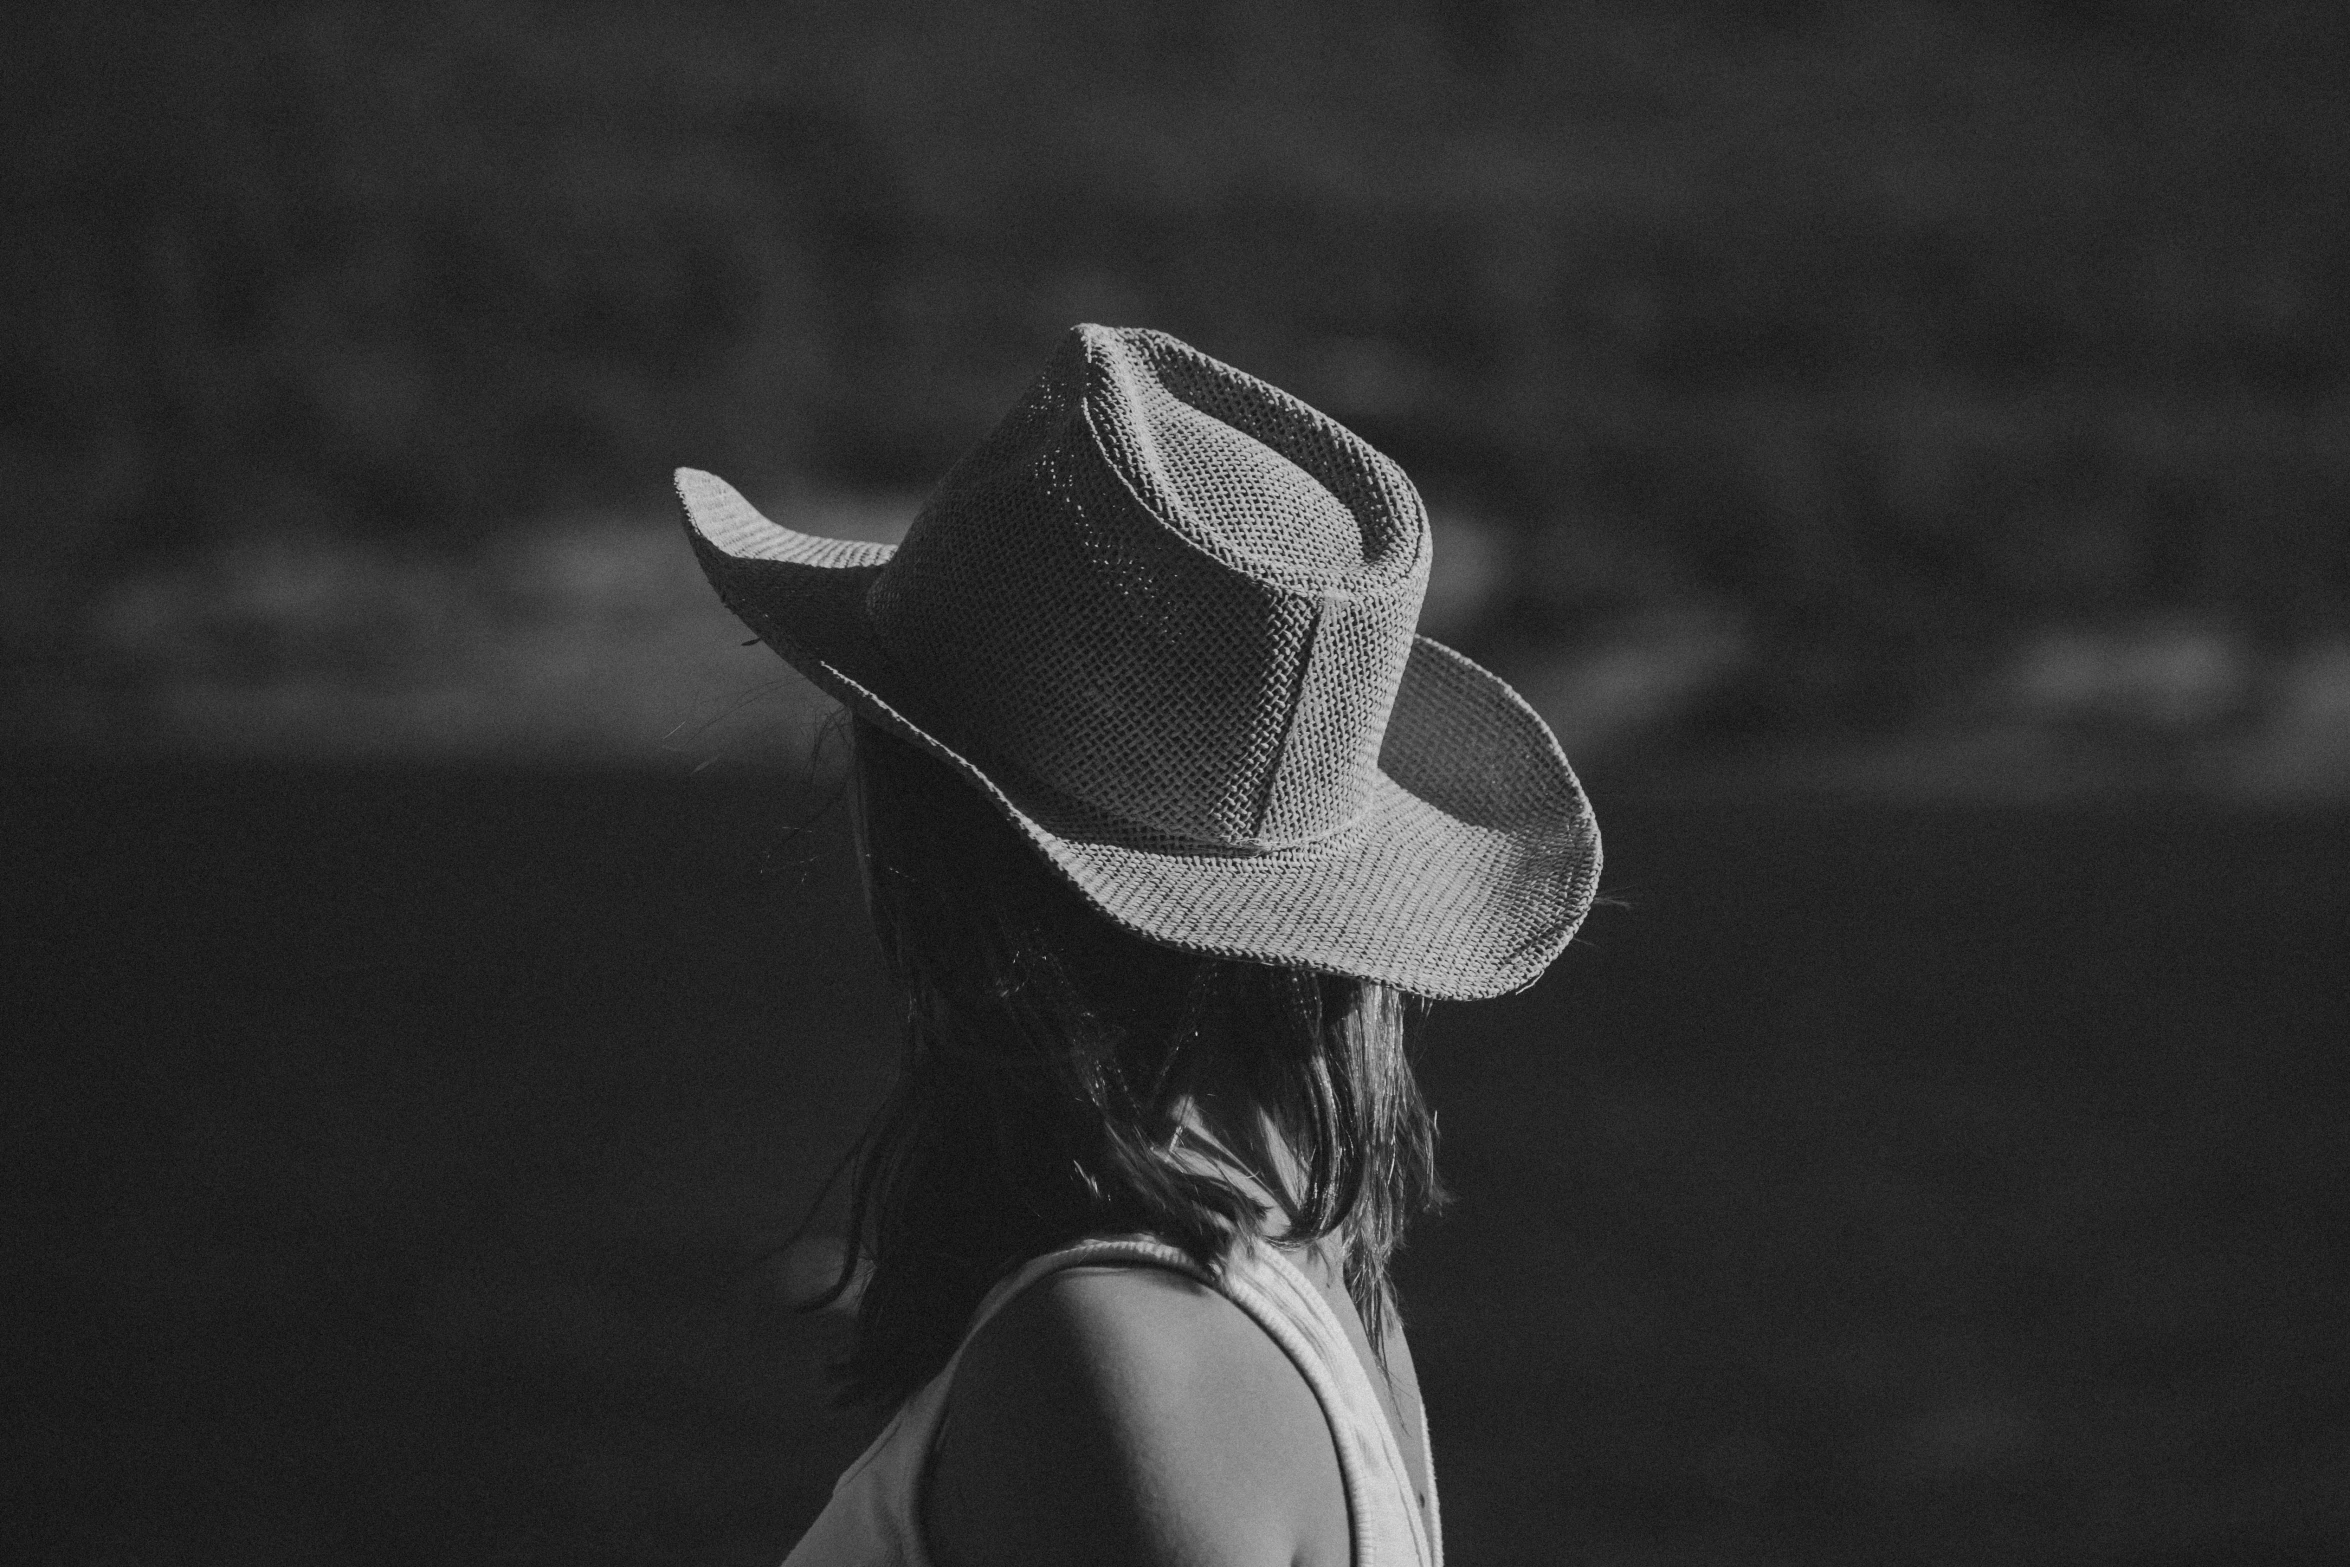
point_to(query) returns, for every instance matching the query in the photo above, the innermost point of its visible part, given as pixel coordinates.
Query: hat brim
(1468, 874)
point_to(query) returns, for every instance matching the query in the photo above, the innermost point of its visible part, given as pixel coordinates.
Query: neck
(1211, 1144)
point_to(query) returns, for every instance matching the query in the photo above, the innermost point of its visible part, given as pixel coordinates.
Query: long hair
(1049, 1056)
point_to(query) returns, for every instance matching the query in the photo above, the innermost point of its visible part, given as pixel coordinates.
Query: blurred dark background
(1903, 449)
(1785, 368)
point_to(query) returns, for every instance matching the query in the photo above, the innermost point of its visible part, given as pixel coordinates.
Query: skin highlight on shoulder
(1131, 1417)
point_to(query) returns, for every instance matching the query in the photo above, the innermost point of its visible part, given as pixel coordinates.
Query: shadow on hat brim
(1468, 874)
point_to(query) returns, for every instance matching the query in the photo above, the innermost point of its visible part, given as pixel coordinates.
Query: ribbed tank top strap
(1388, 1529)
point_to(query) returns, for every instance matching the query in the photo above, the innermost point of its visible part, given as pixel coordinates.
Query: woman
(1163, 811)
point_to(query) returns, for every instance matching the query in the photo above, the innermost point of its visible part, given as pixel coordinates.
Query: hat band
(1065, 812)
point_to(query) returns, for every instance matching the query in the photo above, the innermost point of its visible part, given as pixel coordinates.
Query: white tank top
(873, 1519)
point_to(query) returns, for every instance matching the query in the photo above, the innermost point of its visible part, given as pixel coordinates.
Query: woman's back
(1114, 1404)
(1112, 1413)
(1123, 1414)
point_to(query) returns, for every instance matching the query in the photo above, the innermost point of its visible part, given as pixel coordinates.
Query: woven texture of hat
(1169, 594)
(1436, 899)
(1162, 618)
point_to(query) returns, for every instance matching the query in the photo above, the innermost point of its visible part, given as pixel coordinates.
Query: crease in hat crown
(1168, 592)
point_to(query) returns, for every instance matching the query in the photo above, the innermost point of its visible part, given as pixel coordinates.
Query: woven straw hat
(1162, 618)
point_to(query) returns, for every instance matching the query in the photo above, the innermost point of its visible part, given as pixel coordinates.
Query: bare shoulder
(1132, 1415)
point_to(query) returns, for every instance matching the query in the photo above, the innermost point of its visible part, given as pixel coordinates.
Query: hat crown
(1169, 592)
